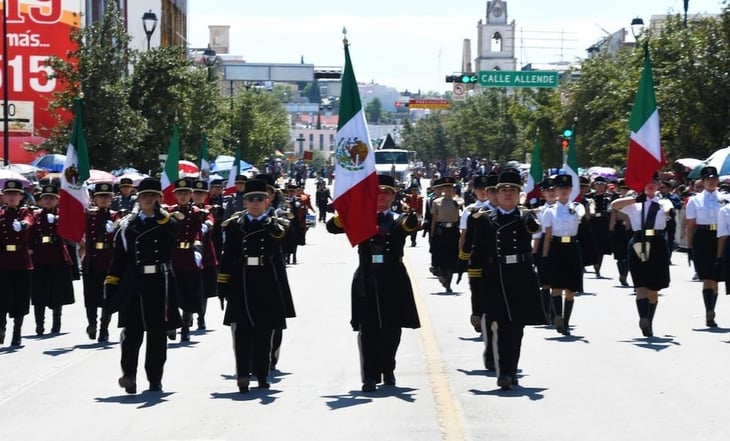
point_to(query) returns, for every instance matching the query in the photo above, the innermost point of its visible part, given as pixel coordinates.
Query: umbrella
(604, 172)
(6, 175)
(100, 176)
(188, 168)
(688, 163)
(52, 162)
(225, 162)
(24, 169)
(135, 177)
(720, 160)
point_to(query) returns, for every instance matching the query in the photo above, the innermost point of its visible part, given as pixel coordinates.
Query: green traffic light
(568, 133)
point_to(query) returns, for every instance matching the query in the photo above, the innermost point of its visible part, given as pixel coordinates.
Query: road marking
(448, 410)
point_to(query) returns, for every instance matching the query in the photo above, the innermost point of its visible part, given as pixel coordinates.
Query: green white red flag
(645, 149)
(356, 181)
(235, 171)
(203, 162)
(532, 186)
(171, 171)
(570, 167)
(74, 196)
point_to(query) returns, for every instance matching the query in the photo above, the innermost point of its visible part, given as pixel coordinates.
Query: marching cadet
(620, 231)
(15, 260)
(216, 201)
(414, 200)
(141, 278)
(445, 215)
(234, 202)
(101, 224)
(382, 295)
(123, 203)
(648, 253)
(509, 290)
(599, 220)
(480, 184)
(210, 260)
(701, 215)
(297, 226)
(51, 283)
(187, 257)
(586, 241)
(547, 188)
(258, 294)
(561, 253)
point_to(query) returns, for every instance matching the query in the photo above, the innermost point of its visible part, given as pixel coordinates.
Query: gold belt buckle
(11, 248)
(46, 239)
(99, 245)
(712, 227)
(649, 233)
(184, 245)
(565, 239)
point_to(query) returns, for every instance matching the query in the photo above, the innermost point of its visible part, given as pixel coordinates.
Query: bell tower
(496, 39)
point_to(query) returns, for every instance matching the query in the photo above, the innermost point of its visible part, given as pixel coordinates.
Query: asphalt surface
(604, 382)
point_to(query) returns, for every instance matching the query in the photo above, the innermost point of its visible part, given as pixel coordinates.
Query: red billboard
(36, 30)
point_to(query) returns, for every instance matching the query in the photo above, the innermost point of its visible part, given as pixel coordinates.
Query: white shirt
(562, 221)
(703, 207)
(633, 211)
(466, 213)
(540, 215)
(723, 221)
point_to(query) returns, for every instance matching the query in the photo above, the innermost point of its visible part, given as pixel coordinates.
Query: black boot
(185, 330)
(56, 325)
(623, 271)
(546, 305)
(104, 327)
(710, 298)
(448, 276)
(17, 326)
(91, 318)
(566, 313)
(652, 311)
(3, 323)
(642, 306)
(39, 312)
(558, 314)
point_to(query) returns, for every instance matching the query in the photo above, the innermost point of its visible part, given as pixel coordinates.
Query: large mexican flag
(74, 196)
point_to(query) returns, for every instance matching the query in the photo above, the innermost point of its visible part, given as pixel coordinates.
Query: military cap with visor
(149, 185)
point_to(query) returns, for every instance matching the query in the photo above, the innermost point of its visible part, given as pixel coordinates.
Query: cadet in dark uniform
(599, 221)
(187, 257)
(234, 202)
(141, 277)
(51, 283)
(123, 203)
(701, 216)
(216, 201)
(15, 261)
(620, 230)
(210, 259)
(382, 295)
(445, 216)
(258, 294)
(648, 253)
(586, 241)
(510, 290)
(561, 253)
(101, 224)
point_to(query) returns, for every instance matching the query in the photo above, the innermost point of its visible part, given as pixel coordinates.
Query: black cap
(547, 183)
(149, 185)
(200, 186)
(126, 182)
(510, 178)
(268, 179)
(584, 181)
(256, 186)
(11, 185)
(240, 179)
(600, 180)
(103, 188)
(184, 184)
(387, 182)
(480, 181)
(708, 172)
(216, 183)
(492, 180)
(563, 181)
(49, 190)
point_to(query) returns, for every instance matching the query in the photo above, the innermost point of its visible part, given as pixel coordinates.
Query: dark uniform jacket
(14, 252)
(258, 290)
(502, 246)
(188, 241)
(382, 295)
(51, 276)
(599, 221)
(141, 264)
(99, 243)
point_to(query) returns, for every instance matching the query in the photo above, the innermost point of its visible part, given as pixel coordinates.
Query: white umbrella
(6, 175)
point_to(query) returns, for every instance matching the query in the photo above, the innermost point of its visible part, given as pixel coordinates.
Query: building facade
(495, 40)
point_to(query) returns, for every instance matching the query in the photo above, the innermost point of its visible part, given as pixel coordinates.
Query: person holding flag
(171, 172)
(382, 294)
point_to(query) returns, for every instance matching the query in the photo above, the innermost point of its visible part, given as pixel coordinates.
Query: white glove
(203, 228)
(198, 258)
(17, 226)
(51, 217)
(109, 226)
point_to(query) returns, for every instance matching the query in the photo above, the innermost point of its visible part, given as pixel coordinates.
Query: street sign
(459, 92)
(435, 104)
(20, 117)
(506, 78)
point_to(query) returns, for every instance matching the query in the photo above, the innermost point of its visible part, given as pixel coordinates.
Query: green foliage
(260, 125)
(374, 111)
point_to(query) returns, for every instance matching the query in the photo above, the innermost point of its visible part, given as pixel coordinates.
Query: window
(496, 42)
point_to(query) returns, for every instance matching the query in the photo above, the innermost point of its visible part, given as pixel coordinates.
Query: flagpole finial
(344, 35)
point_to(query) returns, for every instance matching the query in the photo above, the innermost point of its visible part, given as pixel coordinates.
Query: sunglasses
(255, 198)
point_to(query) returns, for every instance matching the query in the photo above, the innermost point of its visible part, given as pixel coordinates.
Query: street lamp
(209, 58)
(686, 6)
(149, 23)
(636, 25)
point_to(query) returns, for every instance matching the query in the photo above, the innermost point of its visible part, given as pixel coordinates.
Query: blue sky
(413, 44)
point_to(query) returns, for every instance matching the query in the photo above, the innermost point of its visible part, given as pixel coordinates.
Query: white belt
(254, 261)
(597, 214)
(447, 224)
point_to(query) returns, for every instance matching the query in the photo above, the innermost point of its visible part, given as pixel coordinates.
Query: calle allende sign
(36, 30)
(507, 78)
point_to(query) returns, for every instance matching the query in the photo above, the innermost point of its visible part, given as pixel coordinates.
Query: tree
(373, 111)
(260, 125)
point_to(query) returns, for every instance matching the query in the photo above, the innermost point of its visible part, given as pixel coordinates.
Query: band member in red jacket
(210, 257)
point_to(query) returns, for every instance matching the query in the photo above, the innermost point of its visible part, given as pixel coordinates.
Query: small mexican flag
(571, 167)
(74, 196)
(235, 170)
(645, 148)
(532, 187)
(171, 171)
(203, 162)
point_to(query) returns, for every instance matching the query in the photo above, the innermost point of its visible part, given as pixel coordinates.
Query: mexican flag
(571, 167)
(171, 172)
(74, 196)
(355, 190)
(532, 187)
(645, 148)
(203, 162)
(231, 183)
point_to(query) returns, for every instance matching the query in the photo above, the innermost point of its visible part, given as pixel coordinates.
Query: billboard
(36, 30)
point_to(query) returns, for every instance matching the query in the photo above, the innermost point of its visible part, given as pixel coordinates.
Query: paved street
(605, 382)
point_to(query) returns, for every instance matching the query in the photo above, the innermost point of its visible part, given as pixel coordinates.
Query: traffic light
(464, 78)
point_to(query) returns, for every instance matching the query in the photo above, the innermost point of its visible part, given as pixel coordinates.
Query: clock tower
(496, 39)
